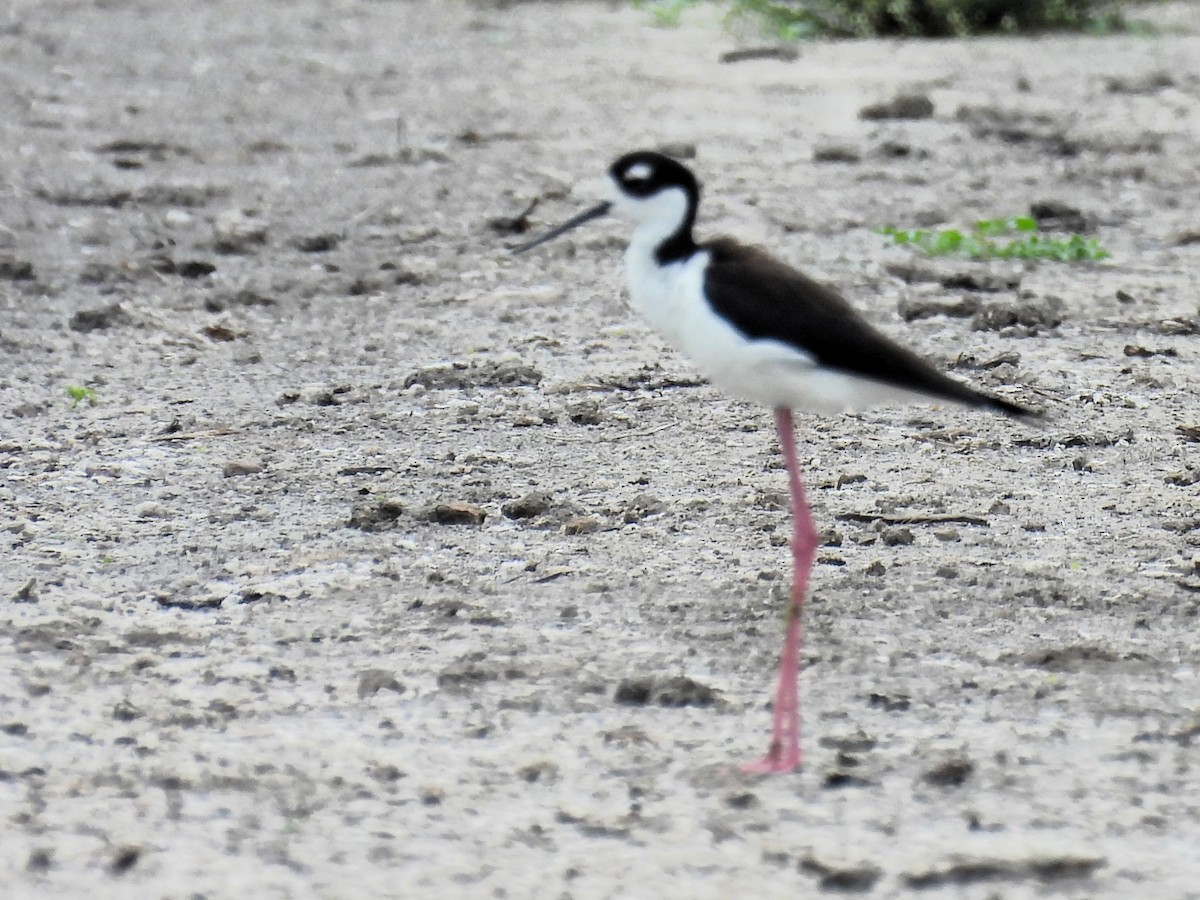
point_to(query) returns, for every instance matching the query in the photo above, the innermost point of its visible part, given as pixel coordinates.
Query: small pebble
(581, 525)
(458, 512)
(151, 510)
(237, 467)
(895, 537)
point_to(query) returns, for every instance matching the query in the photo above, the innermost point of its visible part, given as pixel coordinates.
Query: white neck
(657, 217)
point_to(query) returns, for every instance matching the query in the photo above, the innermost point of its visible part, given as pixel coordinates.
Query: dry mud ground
(247, 649)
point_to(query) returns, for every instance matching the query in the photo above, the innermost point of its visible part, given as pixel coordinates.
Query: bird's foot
(778, 759)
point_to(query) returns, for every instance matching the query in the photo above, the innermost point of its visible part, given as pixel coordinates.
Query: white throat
(656, 217)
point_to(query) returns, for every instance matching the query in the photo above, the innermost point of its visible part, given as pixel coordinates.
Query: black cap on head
(644, 173)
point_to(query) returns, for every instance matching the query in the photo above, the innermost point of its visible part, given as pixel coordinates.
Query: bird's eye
(639, 172)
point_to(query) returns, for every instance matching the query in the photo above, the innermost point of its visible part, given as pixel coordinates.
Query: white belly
(763, 371)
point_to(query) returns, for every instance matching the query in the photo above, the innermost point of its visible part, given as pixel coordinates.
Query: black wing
(765, 299)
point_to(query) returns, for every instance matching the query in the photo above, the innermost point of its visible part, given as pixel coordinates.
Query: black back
(766, 299)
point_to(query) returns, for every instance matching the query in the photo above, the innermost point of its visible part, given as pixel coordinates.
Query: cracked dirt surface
(381, 563)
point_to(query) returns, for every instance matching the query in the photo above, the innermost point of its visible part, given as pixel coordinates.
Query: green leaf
(78, 394)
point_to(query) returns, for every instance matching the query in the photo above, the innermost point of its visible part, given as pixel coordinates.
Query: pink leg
(784, 753)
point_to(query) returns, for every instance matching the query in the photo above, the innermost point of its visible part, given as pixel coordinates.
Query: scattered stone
(840, 779)
(962, 870)
(377, 516)
(41, 859)
(857, 878)
(458, 512)
(987, 282)
(1076, 658)
(876, 569)
(317, 243)
(1016, 126)
(28, 592)
(461, 375)
(195, 268)
(897, 537)
(947, 535)
(902, 106)
(12, 269)
(830, 537)
(950, 773)
(742, 800)
(1028, 317)
(372, 681)
(581, 525)
(542, 771)
(235, 231)
(1054, 215)
(154, 150)
(124, 859)
(219, 334)
(1184, 238)
(857, 742)
(517, 223)
(913, 308)
(185, 195)
(836, 153)
(388, 773)
(184, 602)
(1185, 477)
(244, 297)
(99, 318)
(95, 195)
(1145, 83)
(970, 361)
(678, 690)
(584, 412)
(1182, 326)
(1188, 432)
(782, 52)
(893, 149)
(983, 279)
(897, 703)
(151, 510)
(236, 467)
(1146, 353)
(642, 506)
(126, 712)
(468, 673)
(532, 504)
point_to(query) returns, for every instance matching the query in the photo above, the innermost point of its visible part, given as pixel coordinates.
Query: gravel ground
(371, 561)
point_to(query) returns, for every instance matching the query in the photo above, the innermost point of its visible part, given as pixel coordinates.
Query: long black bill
(594, 213)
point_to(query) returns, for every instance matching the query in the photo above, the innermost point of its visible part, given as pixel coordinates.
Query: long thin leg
(784, 753)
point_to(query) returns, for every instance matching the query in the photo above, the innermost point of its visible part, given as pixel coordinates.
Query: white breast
(672, 298)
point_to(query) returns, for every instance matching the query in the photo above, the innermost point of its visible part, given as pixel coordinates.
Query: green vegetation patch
(796, 19)
(1014, 238)
(77, 395)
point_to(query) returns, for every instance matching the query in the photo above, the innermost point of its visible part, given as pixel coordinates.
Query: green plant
(664, 13)
(796, 19)
(78, 394)
(980, 243)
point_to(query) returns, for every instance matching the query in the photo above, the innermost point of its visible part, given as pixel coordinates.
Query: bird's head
(657, 193)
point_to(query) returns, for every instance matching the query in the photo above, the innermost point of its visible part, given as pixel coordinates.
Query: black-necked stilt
(764, 332)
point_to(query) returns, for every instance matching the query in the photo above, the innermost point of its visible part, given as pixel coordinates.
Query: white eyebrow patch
(639, 172)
